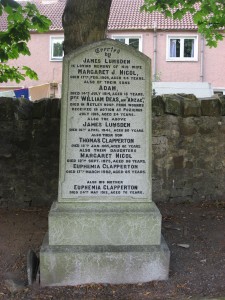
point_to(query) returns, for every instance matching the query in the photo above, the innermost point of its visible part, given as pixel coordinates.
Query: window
(56, 48)
(182, 48)
(133, 41)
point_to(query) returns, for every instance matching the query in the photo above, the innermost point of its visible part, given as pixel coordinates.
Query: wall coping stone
(184, 105)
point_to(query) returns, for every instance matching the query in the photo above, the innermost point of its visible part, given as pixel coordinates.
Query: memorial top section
(105, 125)
(110, 48)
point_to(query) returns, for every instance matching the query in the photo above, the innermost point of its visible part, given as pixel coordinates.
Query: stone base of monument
(104, 224)
(74, 265)
(103, 243)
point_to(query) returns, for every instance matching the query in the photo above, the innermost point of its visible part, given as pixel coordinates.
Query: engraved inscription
(106, 149)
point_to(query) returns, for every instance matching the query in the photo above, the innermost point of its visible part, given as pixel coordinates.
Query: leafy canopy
(208, 15)
(21, 19)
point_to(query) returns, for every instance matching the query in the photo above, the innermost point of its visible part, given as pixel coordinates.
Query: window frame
(53, 40)
(127, 37)
(182, 37)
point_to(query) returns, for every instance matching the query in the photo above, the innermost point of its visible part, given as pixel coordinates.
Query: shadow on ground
(195, 234)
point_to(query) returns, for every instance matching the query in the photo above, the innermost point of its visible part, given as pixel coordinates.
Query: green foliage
(21, 20)
(208, 15)
(14, 74)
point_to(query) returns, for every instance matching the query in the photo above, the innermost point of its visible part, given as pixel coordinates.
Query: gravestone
(104, 228)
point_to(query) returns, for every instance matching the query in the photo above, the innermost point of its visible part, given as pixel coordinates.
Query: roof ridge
(122, 17)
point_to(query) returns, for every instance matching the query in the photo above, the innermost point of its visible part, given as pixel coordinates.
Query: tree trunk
(84, 21)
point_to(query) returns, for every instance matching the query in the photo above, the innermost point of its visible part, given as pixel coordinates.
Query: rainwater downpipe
(202, 58)
(155, 51)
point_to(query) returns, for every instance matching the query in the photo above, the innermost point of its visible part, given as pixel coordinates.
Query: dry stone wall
(188, 150)
(29, 150)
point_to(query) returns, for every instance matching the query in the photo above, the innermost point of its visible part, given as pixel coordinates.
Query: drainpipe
(202, 58)
(154, 51)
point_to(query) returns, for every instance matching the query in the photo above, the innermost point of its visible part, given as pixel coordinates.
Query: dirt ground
(195, 234)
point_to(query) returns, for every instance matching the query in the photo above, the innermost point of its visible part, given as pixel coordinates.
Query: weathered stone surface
(200, 142)
(53, 108)
(191, 108)
(39, 108)
(74, 265)
(29, 154)
(6, 109)
(104, 224)
(159, 145)
(211, 107)
(166, 126)
(222, 99)
(207, 125)
(188, 127)
(76, 127)
(188, 96)
(105, 230)
(23, 109)
(172, 105)
(46, 108)
(178, 162)
(29, 151)
(158, 106)
(5, 149)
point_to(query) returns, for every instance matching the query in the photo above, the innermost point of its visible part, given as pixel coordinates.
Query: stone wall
(188, 150)
(29, 152)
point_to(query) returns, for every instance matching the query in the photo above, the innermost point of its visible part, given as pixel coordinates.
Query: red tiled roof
(124, 14)
(53, 11)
